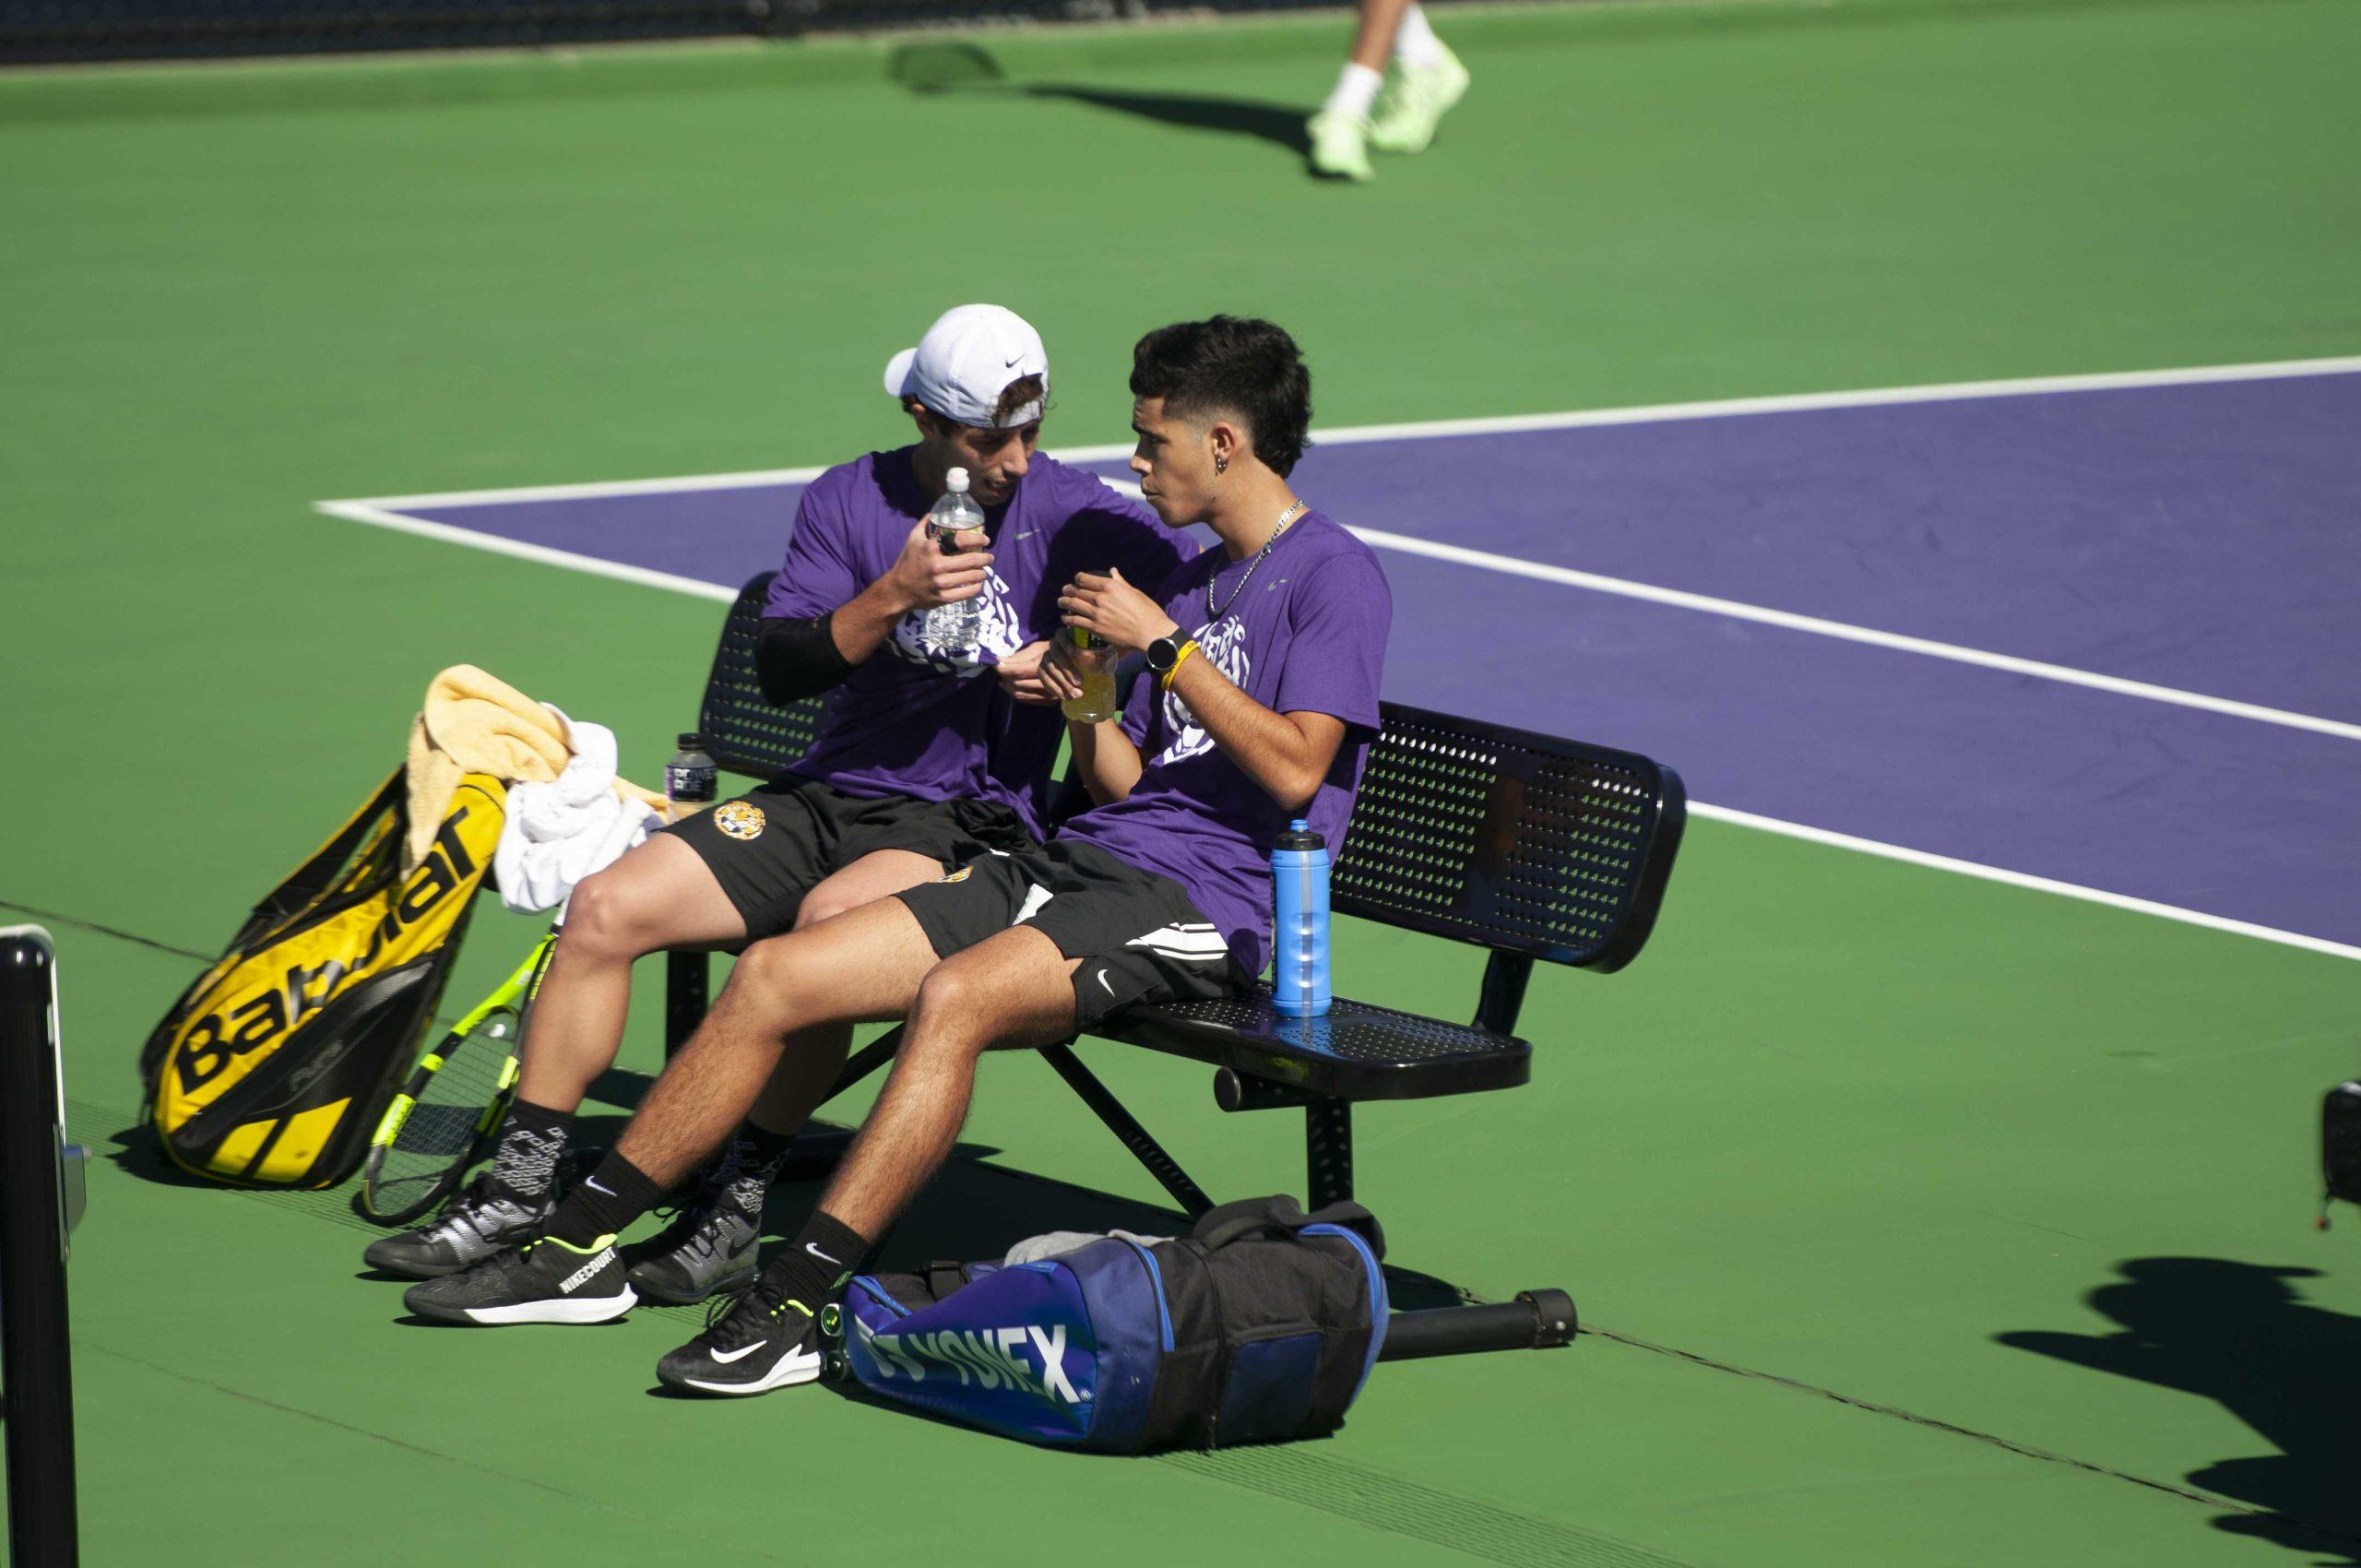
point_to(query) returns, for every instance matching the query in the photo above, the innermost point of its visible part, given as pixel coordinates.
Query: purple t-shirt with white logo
(917, 720)
(1307, 636)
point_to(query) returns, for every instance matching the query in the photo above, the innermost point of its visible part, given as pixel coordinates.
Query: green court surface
(1845, 1123)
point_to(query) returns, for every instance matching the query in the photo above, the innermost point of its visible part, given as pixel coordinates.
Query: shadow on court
(946, 66)
(2238, 1333)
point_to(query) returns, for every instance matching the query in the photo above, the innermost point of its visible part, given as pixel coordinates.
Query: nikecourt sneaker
(1414, 99)
(1339, 145)
(479, 1220)
(543, 1281)
(750, 1345)
(708, 1250)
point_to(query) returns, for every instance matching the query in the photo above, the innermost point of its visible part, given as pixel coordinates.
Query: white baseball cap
(966, 361)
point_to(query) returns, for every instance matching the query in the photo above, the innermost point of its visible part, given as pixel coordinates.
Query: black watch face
(1161, 653)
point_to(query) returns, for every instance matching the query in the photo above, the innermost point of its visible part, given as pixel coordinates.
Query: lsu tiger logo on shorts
(959, 875)
(741, 820)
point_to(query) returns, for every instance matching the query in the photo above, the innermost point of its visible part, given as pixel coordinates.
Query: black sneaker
(706, 1251)
(750, 1345)
(543, 1281)
(480, 1220)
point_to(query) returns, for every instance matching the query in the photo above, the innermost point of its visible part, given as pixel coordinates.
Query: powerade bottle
(1300, 930)
(689, 779)
(954, 626)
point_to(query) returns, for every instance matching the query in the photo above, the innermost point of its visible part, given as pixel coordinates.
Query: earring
(1221, 465)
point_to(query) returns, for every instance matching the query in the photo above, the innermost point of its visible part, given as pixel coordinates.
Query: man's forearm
(1272, 748)
(862, 623)
(1108, 763)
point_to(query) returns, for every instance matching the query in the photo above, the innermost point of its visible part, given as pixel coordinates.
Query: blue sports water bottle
(1299, 933)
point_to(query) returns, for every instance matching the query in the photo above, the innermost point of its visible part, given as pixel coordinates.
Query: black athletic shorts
(771, 846)
(1137, 933)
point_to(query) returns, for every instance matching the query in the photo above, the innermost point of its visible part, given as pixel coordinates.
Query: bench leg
(688, 989)
(1136, 1138)
(1328, 1151)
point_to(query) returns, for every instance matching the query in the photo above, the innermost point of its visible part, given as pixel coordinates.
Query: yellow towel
(474, 723)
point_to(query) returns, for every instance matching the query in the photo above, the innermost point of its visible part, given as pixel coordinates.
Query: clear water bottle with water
(954, 626)
(689, 779)
(1299, 926)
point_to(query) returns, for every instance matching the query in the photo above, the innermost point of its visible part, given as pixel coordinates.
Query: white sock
(1414, 42)
(1355, 90)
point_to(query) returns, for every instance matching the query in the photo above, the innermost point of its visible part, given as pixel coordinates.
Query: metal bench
(1531, 846)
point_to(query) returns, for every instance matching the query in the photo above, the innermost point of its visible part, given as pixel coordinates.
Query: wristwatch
(1164, 654)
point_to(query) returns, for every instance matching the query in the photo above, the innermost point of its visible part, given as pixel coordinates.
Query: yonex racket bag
(274, 1067)
(1260, 1325)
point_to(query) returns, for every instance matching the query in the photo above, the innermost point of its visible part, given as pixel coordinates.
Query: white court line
(379, 516)
(2020, 879)
(1512, 566)
(1500, 426)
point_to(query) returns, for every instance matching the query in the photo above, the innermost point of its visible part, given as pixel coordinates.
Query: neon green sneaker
(1340, 146)
(1413, 101)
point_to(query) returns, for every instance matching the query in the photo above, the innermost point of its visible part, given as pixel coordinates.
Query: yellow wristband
(1179, 659)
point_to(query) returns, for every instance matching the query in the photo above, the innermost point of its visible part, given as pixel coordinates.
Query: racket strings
(444, 1125)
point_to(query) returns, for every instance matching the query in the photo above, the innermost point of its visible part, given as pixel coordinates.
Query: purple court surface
(2199, 537)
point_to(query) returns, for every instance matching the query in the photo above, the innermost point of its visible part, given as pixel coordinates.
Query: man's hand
(1021, 676)
(1058, 675)
(1116, 610)
(926, 575)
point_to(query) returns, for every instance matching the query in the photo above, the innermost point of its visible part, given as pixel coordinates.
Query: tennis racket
(454, 1100)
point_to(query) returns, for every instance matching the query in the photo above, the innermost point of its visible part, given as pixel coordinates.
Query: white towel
(560, 832)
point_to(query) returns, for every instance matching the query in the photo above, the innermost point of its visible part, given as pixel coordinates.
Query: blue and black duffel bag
(1258, 1326)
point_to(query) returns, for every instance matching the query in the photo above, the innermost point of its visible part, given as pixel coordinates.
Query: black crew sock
(532, 1140)
(748, 1168)
(825, 1255)
(603, 1203)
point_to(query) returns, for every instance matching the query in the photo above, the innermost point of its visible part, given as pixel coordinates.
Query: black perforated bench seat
(1354, 1051)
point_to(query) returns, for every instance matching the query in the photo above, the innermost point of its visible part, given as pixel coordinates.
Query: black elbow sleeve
(794, 659)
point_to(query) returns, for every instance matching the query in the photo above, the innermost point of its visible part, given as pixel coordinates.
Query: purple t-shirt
(1307, 636)
(912, 719)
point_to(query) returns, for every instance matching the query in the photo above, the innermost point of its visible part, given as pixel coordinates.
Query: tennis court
(1927, 426)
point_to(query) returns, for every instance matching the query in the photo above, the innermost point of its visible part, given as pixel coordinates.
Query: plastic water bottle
(1300, 930)
(954, 626)
(689, 779)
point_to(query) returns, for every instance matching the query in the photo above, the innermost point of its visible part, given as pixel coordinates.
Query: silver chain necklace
(1291, 515)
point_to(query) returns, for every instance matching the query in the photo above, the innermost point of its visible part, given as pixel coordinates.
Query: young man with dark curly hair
(1260, 701)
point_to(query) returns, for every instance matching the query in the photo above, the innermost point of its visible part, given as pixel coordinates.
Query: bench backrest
(1519, 842)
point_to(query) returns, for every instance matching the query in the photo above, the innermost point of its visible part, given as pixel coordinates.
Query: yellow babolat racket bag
(274, 1067)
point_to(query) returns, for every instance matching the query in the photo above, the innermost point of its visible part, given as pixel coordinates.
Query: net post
(36, 1376)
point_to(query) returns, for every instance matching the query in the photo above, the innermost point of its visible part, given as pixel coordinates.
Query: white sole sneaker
(802, 1366)
(564, 1309)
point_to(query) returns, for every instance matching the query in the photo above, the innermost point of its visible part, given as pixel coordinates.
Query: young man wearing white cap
(1393, 90)
(929, 756)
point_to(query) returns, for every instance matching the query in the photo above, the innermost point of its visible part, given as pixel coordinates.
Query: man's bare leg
(659, 895)
(861, 967)
(1373, 38)
(1012, 990)
(813, 1057)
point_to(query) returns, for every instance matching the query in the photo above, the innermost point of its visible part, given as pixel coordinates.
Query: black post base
(1537, 1320)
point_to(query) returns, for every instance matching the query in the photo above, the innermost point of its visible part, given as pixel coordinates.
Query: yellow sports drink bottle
(1094, 660)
